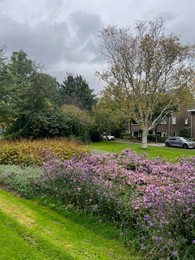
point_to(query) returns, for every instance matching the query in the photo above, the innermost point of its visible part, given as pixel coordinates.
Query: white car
(108, 137)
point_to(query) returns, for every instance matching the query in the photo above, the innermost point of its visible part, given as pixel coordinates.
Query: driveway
(156, 144)
(128, 142)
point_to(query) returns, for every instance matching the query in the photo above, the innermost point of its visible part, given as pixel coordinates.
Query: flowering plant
(154, 196)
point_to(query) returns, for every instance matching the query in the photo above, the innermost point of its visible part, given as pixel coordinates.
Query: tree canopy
(108, 115)
(75, 91)
(30, 101)
(147, 68)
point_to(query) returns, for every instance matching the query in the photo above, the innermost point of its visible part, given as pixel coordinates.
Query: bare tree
(147, 67)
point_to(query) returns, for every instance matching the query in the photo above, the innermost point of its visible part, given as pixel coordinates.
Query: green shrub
(153, 138)
(125, 136)
(78, 122)
(65, 122)
(39, 124)
(162, 139)
(20, 178)
(95, 135)
(185, 132)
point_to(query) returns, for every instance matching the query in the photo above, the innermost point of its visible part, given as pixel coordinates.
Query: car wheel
(167, 144)
(185, 146)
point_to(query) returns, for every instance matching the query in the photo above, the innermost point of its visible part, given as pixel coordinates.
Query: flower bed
(154, 197)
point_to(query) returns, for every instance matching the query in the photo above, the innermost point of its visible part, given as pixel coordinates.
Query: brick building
(171, 125)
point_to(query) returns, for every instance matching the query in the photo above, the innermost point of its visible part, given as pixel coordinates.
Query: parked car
(178, 141)
(108, 137)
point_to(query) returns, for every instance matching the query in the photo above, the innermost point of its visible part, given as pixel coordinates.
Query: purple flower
(174, 253)
(156, 192)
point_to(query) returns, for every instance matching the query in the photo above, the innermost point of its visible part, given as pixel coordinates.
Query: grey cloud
(57, 4)
(92, 47)
(62, 34)
(86, 24)
(51, 42)
(86, 27)
(45, 42)
(53, 8)
(182, 26)
(167, 15)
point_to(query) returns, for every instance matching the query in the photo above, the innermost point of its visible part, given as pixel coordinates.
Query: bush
(185, 132)
(39, 124)
(20, 178)
(116, 133)
(26, 152)
(151, 138)
(95, 135)
(50, 123)
(79, 123)
(125, 136)
(154, 138)
(162, 139)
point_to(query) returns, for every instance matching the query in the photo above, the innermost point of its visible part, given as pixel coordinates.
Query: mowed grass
(168, 153)
(31, 231)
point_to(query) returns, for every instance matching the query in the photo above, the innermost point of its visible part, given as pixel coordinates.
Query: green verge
(168, 153)
(31, 231)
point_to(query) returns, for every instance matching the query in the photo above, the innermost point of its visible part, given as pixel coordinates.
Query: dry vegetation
(25, 152)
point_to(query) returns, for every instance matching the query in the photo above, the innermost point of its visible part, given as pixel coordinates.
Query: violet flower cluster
(154, 196)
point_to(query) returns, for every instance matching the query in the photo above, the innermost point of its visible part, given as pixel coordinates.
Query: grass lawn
(31, 231)
(169, 153)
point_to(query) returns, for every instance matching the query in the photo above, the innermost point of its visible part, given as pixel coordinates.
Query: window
(135, 134)
(172, 139)
(173, 120)
(164, 121)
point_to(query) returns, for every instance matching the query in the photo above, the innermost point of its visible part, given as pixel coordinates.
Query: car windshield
(185, 139)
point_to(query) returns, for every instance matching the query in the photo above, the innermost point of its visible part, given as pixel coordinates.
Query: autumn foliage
(26, 152)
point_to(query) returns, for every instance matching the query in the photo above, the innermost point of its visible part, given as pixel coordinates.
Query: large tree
(113, 98)
(7, 111)
(149, 68)
(108, 116)
(29, 91)
(32, 88)
(2, 57)
(75, 91)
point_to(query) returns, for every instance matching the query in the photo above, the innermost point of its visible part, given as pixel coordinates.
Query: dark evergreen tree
(75, 91)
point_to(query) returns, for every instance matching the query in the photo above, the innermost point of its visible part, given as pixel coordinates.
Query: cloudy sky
(62, 34)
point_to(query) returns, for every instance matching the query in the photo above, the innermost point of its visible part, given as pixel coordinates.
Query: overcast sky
(62, 34)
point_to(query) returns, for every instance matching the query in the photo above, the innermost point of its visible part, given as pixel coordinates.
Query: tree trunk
(145, 137)
(156, 136)
(129, 128)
